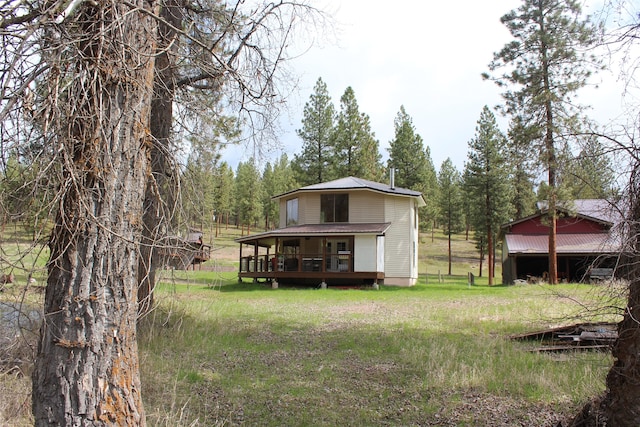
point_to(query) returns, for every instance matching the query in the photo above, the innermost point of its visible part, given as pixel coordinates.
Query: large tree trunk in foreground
(620, 406)
(87, 372)
(623, 380)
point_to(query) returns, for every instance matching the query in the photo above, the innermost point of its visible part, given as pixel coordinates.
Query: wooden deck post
(324, 255)
(255, 257)
(277, 254)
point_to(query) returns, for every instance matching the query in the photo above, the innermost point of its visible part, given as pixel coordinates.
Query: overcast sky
(427, 56)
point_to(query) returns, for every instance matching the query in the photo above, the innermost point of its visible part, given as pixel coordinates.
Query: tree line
(497, 183)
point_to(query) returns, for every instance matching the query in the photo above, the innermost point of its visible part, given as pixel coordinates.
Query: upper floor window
(292, 212)
(334, 208)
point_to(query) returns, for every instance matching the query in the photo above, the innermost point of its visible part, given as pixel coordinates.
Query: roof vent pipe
(392, 173)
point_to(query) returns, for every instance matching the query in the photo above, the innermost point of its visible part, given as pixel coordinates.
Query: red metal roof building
(584, 236)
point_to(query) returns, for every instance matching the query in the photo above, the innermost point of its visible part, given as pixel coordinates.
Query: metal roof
(328, 229)
(586, 243)
(600, 209)
(352, 183)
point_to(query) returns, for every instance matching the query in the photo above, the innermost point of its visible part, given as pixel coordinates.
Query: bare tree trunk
(86, 371)
(159, 199)
(620, 406)
(450, 257)
(481, 257)
(433, 231)
(553, 256)
(490, 264)
(551, 164)
(623, 380)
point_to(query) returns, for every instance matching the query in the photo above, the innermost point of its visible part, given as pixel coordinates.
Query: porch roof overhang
(566, 244)
(315, 230)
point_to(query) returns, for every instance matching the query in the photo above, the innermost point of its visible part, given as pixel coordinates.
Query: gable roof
(595, 210)
(598, 210)
(353, 183)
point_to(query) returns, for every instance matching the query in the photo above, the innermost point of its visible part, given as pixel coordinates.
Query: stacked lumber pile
(581, 336)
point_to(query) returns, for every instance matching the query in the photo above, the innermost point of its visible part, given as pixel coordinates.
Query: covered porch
(312, 254)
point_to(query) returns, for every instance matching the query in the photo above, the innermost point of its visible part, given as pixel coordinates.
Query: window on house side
(292, 212)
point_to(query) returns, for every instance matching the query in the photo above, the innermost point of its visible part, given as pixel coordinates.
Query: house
(347, 231)
(585, 238)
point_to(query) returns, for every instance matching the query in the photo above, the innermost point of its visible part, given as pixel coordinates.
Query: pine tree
(450, 202)
(487, 184)
(521, 155)
(369, 161)
(224, 195)
(590, 174)
(314, 164)
(407, 154)
(356, 149)
(276, 179)
(248, 192)
(269, 208)
(413, 165)
(429, 213)
(200, 186)
(97, 66)
(545, 66)
(620, 404)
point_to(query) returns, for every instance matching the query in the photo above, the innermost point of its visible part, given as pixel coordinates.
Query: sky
(427, 56)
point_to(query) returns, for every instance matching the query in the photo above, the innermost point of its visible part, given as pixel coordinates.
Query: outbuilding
(585, 239)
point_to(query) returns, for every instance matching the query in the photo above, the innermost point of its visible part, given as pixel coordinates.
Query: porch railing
(309, 262)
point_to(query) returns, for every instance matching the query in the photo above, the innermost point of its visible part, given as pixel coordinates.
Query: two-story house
(347, 231)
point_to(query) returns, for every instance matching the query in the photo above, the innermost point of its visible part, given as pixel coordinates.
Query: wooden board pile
(581, 336)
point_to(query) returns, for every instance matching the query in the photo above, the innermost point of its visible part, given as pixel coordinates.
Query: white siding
(398, 241)
(309, 208)
(366, 207)
(415, 238)
(380, 253)
(365, 253)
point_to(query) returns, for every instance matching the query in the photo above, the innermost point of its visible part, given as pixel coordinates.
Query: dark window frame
(334, 207)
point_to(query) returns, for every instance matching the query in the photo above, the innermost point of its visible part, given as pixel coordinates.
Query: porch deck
(183, 255)
(304, 267)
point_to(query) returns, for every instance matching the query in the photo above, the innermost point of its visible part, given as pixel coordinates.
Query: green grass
(219, 352)
(247, 354)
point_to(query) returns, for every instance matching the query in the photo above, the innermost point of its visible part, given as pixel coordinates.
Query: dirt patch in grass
(474, 408)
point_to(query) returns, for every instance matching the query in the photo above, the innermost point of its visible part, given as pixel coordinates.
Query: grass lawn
(435, 354)
(216, 352)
